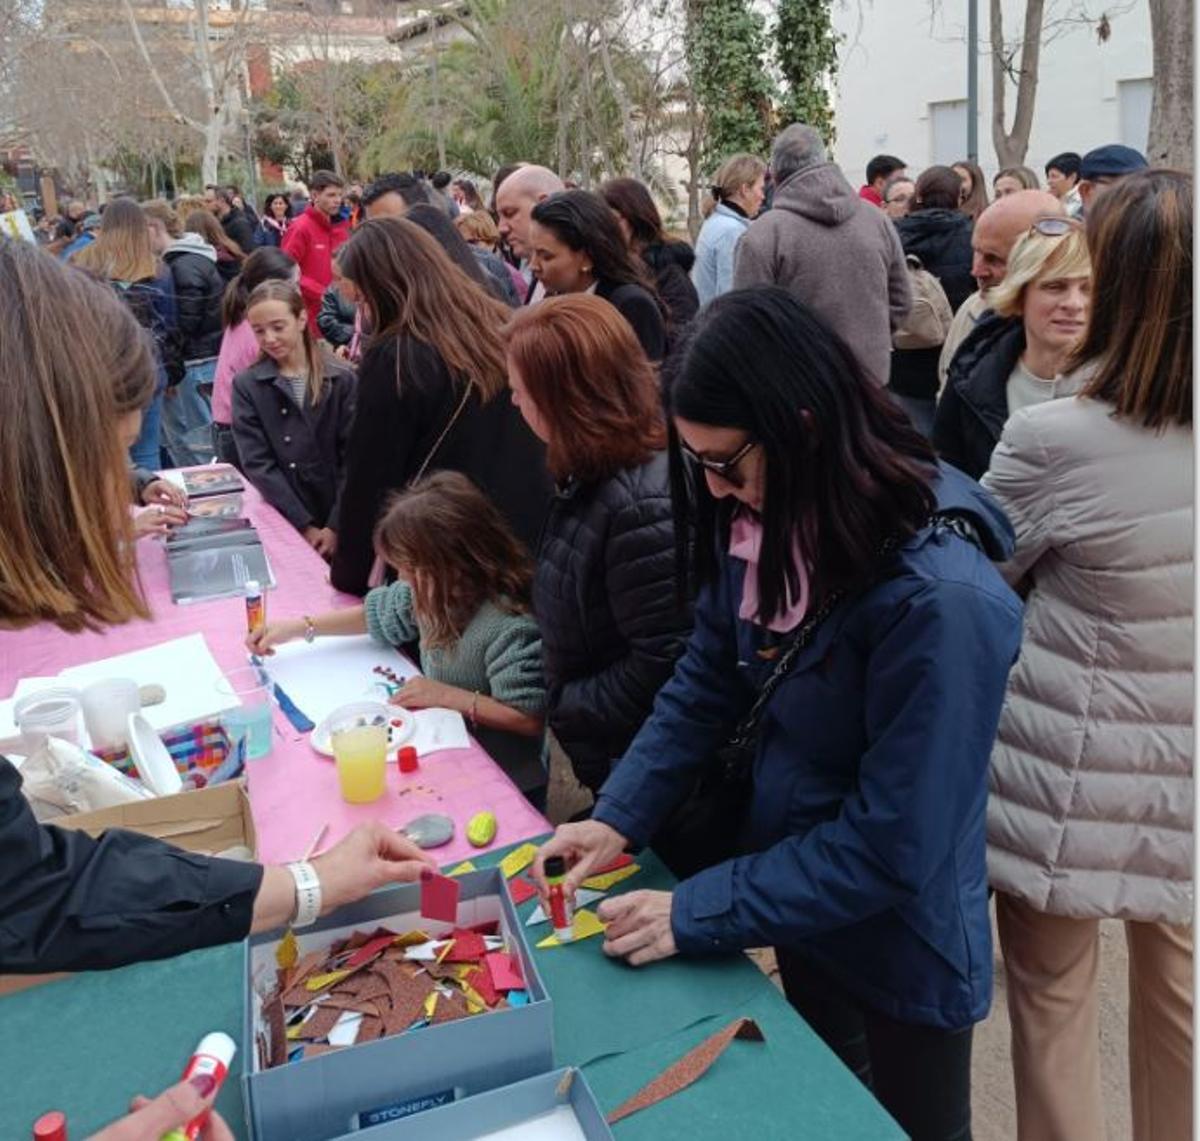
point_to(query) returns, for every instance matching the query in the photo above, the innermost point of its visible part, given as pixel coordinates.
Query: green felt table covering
(87, 1044)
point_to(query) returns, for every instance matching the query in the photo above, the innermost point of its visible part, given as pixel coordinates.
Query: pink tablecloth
(294, 791)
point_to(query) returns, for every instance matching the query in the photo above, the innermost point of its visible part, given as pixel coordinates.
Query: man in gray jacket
(836, 253)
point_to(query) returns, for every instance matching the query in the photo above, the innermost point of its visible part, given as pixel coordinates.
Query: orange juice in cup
(360, 752)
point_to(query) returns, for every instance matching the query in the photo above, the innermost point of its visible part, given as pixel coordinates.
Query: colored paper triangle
(518, 860)
(586, 925)
(603, 881)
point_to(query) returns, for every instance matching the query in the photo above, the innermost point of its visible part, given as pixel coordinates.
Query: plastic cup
(252, 718)
(360, 753)
(48, 713)
(107, 705)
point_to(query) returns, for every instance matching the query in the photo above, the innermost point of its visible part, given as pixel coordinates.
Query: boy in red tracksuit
(312, 239)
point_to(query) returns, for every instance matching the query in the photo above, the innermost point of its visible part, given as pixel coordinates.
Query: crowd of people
(846, 556)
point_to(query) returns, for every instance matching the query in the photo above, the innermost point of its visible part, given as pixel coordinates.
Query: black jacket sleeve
(643, 314)
(68, 902)
(332, 318)
(260, 465)
(948, 439)
(639, 572)
(345, 393)
(388, 421)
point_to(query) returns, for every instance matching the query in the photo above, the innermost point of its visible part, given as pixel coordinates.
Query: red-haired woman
(604, 591)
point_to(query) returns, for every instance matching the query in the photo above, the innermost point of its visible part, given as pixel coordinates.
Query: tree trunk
(213, 130)
(1172, 114)
(1012, 145)
(623, 106)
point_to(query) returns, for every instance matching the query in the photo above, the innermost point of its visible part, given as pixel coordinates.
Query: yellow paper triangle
(320, 982)
(586, 925)
(475, 1003)
(431, 1003)
(288, 952)
(518, 860)
(411, 939)
(462, 869)
(608, 879)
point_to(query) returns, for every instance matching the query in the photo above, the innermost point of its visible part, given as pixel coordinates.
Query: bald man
(996, 230)
(519, 193)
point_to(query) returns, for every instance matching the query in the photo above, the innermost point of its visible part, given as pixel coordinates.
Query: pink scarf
(745, 543)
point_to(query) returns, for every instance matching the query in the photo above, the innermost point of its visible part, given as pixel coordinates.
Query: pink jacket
(239, 350)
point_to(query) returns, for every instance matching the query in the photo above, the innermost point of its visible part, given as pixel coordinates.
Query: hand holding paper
(369, 857)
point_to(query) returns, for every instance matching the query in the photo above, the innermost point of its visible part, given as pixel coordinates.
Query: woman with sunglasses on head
(604, 592)
(1020, 353)
(1091, 811)
(847, 592)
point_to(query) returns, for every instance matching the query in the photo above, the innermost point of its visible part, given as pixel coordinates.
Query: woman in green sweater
(462, 594)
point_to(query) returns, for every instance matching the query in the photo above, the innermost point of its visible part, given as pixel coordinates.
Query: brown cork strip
(690, 1068)
(449, 1009)
(369, 1029)
(320, 1023)
(276, 1031)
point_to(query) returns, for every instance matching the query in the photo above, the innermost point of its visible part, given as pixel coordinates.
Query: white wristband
(308, 893)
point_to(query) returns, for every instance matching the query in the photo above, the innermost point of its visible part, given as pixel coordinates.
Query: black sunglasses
(722, 468)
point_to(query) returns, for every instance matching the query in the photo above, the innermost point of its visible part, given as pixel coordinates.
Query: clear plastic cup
(252, 717)
(106, 706)
(360, 753)
(48, 713)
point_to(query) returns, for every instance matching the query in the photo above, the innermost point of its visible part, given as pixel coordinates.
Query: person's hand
(372, 856)
(264, 640)
(322, 540)
(149, 1119)
(157, 519)
(587, 846)
(342, 352)
(425, 693)
(165, 492)
(639, 926)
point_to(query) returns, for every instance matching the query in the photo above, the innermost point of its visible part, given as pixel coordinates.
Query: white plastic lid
(154, 763)
(218, 1045)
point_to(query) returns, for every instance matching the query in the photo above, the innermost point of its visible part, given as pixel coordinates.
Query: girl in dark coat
(292, 413)
(578, 248)
(833, 551)
(431, 391)
(669, 262)
(604, 592)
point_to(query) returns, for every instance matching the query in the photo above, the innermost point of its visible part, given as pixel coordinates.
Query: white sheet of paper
(560, 1124)
(345, 1030)
(439, 729)
(184, 667)
(333, 672)
(583, 897)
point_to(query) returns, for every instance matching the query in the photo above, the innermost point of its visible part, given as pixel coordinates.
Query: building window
(948, 131)
(1134, 97)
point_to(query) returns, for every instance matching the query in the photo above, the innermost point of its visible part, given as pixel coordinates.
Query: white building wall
(903, 67)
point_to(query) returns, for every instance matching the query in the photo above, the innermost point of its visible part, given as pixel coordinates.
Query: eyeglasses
(1056, 227)
(723, 468)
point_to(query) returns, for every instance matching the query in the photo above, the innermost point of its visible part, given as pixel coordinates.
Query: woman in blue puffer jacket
(819, 509)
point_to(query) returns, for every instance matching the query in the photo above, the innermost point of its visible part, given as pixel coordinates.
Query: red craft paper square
(439, 897)
(469, 947)
(521, 890)
(505, 971)
(622, 861)
(369, 950)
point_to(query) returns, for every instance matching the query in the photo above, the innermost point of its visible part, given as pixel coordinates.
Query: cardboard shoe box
(322, 1097)
(207, 821)
(559, 1104)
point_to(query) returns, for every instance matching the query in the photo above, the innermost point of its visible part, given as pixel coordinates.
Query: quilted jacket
(1090, 812)
(604, 597)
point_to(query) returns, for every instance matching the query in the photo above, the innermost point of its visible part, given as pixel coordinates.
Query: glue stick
(50, 1126)
(212, 1057)
(561, 918)
(256, 606)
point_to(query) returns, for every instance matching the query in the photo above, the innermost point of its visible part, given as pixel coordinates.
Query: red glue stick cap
(50, 1126)
(407, 757)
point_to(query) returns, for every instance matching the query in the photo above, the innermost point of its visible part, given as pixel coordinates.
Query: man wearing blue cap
(1106, 165)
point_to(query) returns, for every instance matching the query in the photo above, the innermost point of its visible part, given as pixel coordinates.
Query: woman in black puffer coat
(670, 263)
(939, 234)
(604, 591)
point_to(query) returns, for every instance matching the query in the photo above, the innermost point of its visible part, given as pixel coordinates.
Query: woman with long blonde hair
(431, 391)
(123, 256)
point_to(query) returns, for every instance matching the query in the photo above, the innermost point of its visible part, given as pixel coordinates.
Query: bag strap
(449, 423)
(747, 728)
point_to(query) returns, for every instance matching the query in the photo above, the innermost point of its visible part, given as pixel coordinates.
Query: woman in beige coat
(1090, 813)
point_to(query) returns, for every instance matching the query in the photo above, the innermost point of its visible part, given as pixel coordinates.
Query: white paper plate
(154, 763)
(398, 734)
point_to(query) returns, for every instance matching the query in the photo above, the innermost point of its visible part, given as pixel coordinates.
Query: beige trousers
(1051, 963)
